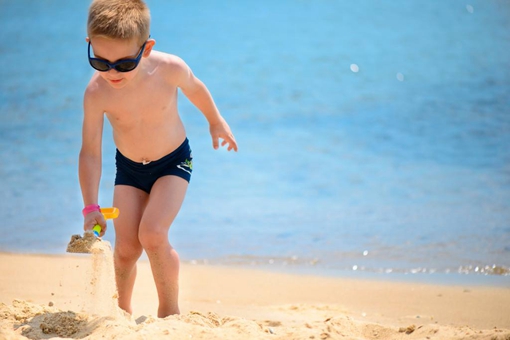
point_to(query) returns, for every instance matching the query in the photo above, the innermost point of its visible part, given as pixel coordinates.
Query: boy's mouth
(115, 81)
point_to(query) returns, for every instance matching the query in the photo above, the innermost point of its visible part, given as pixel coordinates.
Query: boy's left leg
(165, 201)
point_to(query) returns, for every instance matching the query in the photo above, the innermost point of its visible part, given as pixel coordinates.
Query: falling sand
(103, 299)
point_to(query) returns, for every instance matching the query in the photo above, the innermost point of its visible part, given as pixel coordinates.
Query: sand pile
(79, 244)
(23, 320)
(38, 322)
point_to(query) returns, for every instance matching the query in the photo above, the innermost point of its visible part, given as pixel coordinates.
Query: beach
(48, 297)
(369, 199)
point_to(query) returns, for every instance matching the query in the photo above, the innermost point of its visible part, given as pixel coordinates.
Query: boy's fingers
(233, 144)
(225, 140)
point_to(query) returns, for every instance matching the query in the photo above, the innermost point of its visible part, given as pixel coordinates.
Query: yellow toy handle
(108, 213)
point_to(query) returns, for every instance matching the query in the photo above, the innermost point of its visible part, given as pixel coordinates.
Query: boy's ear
(87, 39)
(148, 47)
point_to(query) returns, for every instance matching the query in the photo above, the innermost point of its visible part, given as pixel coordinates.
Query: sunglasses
(124, 65)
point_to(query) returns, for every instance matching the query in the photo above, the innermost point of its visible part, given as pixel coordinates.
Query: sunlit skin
(141, 106)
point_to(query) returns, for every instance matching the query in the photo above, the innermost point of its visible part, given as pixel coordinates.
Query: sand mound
(23, 320)
(37, 322)
(79, 244)
(64, 324)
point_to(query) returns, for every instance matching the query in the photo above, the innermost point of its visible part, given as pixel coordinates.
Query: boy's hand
(93, 218)
(222, 130)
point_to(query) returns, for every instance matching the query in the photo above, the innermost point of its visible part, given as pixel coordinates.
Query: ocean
(374, 136)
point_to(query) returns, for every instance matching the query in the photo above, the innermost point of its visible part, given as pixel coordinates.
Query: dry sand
(73, 296)
(82, 244)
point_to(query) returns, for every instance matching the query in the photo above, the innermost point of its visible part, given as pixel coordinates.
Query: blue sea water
(374, 136)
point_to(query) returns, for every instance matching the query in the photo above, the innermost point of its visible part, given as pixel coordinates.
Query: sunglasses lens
(126, 66)
(99, 65)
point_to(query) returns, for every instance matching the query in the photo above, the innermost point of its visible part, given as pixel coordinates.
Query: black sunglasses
(124, 65)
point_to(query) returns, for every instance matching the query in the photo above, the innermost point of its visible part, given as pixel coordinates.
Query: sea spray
(103, 296)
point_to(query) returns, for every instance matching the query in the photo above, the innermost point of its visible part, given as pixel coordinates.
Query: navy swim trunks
(143, 176)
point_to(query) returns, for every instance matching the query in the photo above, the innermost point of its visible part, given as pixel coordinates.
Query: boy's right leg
(131, 203)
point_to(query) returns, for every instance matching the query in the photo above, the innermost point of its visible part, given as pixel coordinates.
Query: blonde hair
(119, 19)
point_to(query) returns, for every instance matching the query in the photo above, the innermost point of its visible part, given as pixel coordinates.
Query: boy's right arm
(89, 168)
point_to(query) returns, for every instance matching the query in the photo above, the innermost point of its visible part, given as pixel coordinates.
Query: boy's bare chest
(133, 108)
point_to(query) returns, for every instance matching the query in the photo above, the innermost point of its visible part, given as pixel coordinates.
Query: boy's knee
(127, 252)
(152, 238)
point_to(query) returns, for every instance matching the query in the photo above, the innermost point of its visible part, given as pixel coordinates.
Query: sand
(83, 244)
(73, 296)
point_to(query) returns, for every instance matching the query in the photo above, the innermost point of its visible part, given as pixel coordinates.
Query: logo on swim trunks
(187, 166)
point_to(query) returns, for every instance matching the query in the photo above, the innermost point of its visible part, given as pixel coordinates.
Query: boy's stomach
(146, 143)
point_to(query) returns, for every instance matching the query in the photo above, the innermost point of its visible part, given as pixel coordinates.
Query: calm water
(374, 135)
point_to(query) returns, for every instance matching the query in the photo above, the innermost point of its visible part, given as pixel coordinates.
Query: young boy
(136, 88)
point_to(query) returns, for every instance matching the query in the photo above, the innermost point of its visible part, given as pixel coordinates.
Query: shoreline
(500, 277)
(288, 302)
(451, 278)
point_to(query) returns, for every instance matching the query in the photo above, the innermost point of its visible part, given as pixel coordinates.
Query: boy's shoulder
(169, 66)
(94, 87)
(164, 56)
(168, 60)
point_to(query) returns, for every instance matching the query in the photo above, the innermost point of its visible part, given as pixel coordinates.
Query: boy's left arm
(196, 91)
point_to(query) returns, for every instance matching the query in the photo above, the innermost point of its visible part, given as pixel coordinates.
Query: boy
(136, 88)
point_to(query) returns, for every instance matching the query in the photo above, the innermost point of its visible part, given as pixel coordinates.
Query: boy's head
(119, 19)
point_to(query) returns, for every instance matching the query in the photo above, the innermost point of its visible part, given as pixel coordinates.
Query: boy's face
(114, 50)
